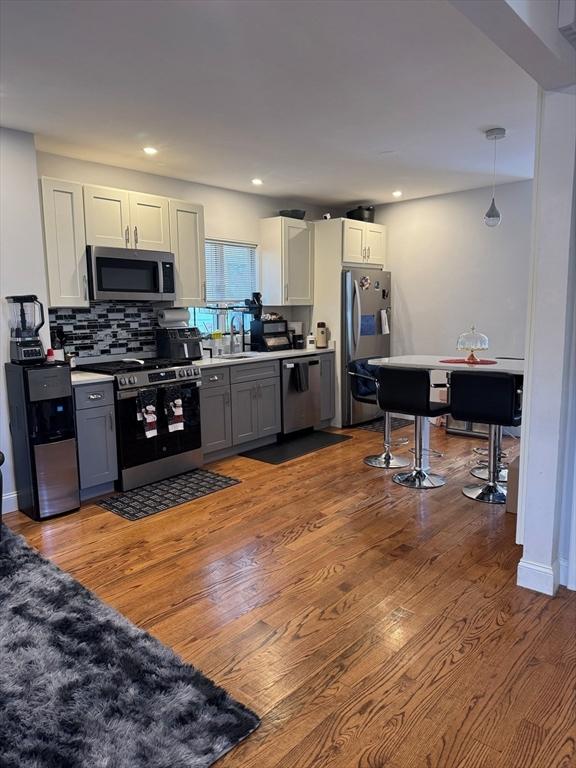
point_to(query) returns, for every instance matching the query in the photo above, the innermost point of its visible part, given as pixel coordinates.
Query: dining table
(448, 363)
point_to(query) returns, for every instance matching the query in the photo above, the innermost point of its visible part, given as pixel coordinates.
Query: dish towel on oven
(147, 411)
(173, 408)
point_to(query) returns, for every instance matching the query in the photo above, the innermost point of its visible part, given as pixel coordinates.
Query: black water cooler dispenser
(41, 407)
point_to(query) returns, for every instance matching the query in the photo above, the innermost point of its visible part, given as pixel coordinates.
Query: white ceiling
(325, 100)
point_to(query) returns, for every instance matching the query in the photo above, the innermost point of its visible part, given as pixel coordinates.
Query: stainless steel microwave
(128, 274)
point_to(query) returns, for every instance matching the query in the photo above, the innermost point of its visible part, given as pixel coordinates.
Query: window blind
(230, 271)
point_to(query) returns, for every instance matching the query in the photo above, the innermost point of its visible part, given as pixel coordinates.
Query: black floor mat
(287, 450)
(378, 424)
(156, 497)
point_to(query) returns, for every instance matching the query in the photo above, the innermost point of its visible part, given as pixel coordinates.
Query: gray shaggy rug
(82, 687)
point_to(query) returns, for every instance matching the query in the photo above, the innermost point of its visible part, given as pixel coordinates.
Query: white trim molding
(9, 503)
(538, 576)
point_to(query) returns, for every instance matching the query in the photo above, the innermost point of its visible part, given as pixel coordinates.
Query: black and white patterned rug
(83, 687)
(378, 424)
(157, 497)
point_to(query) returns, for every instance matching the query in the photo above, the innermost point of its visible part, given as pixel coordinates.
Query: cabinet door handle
(110, 421)
(85, 282)
(286, 292)
(213, 378)
(364, 254)
(127, 236)
(135, 237)
(95, 396)
(204, 292)
(227, 398)
(369, 251)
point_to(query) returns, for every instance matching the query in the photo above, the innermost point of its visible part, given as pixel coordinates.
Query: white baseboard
(564, 574)
(539, 577)
(9, 502)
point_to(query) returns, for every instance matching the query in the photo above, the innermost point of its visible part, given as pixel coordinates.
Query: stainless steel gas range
(157, 405)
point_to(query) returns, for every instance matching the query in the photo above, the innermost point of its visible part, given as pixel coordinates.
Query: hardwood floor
(368, 625)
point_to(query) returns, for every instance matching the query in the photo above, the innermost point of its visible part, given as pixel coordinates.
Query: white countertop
(259, 357)
(87, 377)
(432, 363)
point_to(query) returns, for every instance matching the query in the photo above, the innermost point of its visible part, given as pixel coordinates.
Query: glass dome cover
(471, 341)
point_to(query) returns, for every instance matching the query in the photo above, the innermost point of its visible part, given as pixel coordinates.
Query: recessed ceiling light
(257, 182)
(151, 150)
(397, 193)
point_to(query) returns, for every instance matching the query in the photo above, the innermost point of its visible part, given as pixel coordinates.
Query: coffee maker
(26, 319)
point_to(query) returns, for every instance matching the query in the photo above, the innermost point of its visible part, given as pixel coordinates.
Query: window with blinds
(231, 273)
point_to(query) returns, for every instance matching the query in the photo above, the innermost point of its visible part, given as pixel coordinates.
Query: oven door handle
(133, 393)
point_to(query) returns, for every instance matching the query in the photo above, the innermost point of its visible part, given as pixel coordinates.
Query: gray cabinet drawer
(94, 395)
(254, 371)
(215, 377)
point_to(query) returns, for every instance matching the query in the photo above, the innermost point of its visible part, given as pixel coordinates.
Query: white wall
(21, 257)
(450, 270)
(227, 214)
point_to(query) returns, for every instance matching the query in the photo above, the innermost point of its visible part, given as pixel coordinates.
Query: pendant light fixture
(492, 216)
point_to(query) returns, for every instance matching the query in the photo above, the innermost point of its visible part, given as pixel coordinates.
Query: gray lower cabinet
(269, 407)
(216, 418)
(96, 434)
(244, 412)
(327, 387)
(255, 410)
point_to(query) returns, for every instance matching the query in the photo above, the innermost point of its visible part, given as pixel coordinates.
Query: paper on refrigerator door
(384, 319)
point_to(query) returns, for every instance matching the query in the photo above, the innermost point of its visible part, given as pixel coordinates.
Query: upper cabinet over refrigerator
(363, 242)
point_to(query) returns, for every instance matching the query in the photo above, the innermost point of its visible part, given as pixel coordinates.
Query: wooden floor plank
(370, 625)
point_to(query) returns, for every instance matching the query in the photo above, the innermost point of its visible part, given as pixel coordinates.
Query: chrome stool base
(419, 479)
(482, 474)
(386, 460)
(489, 493)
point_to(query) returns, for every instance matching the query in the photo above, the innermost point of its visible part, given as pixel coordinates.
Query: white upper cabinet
(149, 222)
(375, 237)
(65, 243)
(122, 219)
(286, 261)
(363, 243)
(107, 215)
(187, 245)
(354, 236)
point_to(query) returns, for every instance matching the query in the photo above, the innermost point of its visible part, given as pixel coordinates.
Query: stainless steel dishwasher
(300, 394)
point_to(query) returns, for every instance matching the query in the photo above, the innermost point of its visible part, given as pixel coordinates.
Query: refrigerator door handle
(358, 326)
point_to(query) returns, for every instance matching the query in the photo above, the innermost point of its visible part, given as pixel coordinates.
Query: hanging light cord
(494, 171)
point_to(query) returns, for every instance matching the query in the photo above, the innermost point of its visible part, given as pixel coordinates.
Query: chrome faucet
(237, 316)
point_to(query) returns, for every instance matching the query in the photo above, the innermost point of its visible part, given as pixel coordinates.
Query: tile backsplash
(107, 328)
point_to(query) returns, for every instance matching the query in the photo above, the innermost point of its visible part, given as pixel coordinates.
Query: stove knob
(181, 372)
(132, 379)
(189, 371)
(122, 380)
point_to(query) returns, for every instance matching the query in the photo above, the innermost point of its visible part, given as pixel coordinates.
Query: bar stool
(407, 390)
(487, 398)
(480, 470)
(365, 388)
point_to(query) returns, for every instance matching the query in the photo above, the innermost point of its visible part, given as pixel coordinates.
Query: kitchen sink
(240, 355)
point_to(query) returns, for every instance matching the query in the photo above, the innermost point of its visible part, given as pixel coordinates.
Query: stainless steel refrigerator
(366, 319)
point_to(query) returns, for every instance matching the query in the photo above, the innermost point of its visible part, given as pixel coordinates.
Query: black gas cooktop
(137, 374)
(128, 365)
